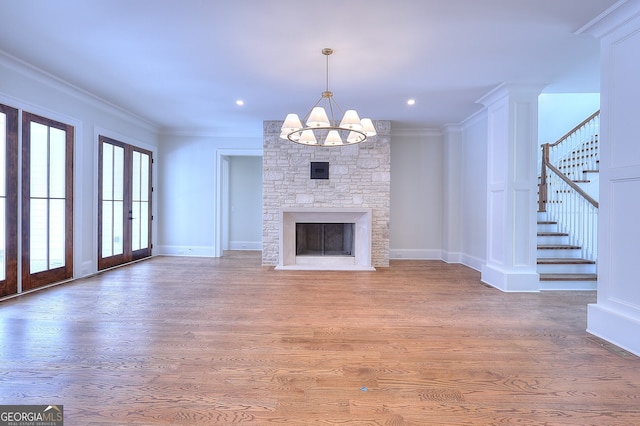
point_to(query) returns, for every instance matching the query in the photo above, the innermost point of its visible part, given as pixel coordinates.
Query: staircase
(560, 263)
(567, 210)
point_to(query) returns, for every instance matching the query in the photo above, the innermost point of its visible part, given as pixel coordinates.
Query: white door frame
(222, 193)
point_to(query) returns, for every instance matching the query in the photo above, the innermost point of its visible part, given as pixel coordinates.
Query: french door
(124, 207)
(8, 200)
(47, 201)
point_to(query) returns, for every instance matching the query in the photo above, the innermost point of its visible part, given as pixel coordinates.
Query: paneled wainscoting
(202, 341)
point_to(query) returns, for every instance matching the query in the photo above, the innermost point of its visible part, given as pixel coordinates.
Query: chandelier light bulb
(355, 137)
(351, 121)
(308, 138)
(368, 128)
(318, 118)
(291, 123)
(333, 138)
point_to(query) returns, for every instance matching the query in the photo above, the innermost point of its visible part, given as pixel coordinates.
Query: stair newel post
(542, 189)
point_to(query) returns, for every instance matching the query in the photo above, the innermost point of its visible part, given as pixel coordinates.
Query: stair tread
(553, 234)
(547, 222)
(568, 277)
(557, 247)
(564, 261)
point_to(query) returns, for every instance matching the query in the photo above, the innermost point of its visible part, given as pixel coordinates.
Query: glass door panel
(47, 207)
(140, 201)
(8, 200)
(124, 203)
(3, 196)
(3, 238)
(48, 182)
(112, 200)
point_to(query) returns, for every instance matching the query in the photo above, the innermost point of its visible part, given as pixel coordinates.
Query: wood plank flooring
(195, 341)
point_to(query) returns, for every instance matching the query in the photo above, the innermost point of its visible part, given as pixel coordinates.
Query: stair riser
(553, 240)
(542, 216)
(566, 269)
(568, 285)
(569, 253)
(547, 227)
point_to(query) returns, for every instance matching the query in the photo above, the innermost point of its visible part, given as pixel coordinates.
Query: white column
(616, 315)
(452, 219)
(512, 114)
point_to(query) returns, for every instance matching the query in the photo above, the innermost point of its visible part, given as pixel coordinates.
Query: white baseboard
(452, 257)
(196, 251)
(86, 269)
(434, 254)
(472, 262)
(620, 327)
(510, 280)
(245, 245)
(415, 254)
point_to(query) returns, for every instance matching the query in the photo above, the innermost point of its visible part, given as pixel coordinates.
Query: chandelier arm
(333, 118)
(338, 106)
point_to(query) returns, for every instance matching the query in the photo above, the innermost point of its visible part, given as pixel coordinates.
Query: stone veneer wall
(359, 176)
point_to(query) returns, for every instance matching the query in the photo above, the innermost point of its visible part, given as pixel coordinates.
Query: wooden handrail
(572, 184)
(570, 132)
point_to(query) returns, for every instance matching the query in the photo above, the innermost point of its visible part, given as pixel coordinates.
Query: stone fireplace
(357, 187)
(359, 256)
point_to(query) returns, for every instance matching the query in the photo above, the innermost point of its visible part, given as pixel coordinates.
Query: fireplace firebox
(324, 239)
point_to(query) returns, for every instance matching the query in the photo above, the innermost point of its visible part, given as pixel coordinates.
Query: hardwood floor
(195, 341)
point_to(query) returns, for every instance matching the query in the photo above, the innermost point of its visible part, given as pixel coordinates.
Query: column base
(614, 326)
(510, 280)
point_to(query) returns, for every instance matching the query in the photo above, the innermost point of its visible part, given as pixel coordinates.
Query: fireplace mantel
(361, 217)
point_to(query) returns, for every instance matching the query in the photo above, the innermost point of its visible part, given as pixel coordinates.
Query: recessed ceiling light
(411, 102)
(239, 102)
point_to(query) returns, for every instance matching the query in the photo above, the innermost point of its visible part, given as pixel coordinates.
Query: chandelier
(324, 130)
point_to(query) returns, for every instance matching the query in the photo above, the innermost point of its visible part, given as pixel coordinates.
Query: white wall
(474, 190)
(417, 182)
(31, 90)
(558, 113)
(187, 183)
(245, 203)
(616, 315)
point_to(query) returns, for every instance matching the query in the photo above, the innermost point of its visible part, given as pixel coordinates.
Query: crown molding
(614, 17)
(413, 131)
(32, 72)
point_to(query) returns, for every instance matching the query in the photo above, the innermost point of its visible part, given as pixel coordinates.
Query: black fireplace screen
(324, 239)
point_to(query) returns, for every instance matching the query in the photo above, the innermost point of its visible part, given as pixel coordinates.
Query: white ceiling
(182, 64)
